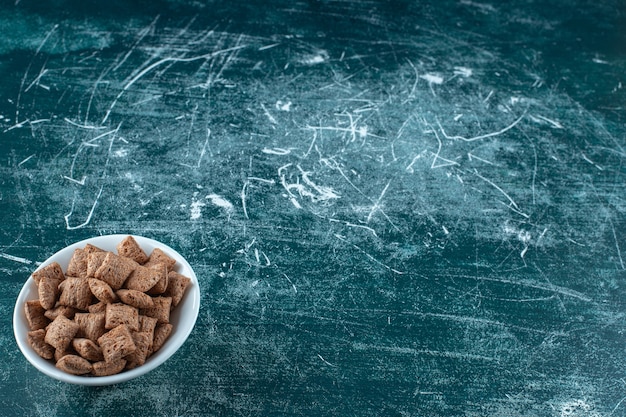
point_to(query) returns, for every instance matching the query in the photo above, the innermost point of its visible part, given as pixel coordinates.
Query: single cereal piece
(52, 270)
(61, 332)
(101, 290)
(143, 342)
(119, 313)
(177, 286)
(60, 310)
(91, 325)
(147, 324)
(161, 285)
(117, 343)
(158, 256)
(88, 349)
(36, 340)
(48, 290)
(35, 315)
(115, 269)
(74, 364)
(131, 249)
(161, 333)
(75, 293)
(105, 368)
(89, 248)
(161, 309)
(78, 264)
(94, 261)
(135, 298)
(99, 307)
(58, 353)
(142, 279)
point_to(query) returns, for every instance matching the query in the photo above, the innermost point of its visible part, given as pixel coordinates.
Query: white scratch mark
(370, 256)
(269, 116)
(158, 64)
(513, 205)
(15, 258)
(377, 205)
(220, 202)
(427, 352)
(471, 157)
(432, 78)
(554, 123)
(81, 182)
(325, 361)
(619, 251)
(196, 210)
(263, 48)
(586, 158)
(83, 126)
(295, 290)
(282, 106)
(354, 225)
(243, 199)
(86, 222)
(16, 126)
(315, 59)
(409, 167)
(276, 151)
(25, 160)
(447, 162)
(204, 147)
(488, 135)
(463, 71)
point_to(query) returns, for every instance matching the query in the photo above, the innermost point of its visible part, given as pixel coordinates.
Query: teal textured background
(393, 208)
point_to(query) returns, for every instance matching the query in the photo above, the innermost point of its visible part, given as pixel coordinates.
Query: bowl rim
(180, 332)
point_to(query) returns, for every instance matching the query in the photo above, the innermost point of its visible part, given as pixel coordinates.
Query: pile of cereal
(108, 312)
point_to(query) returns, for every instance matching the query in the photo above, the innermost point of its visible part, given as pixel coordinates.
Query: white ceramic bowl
(183, 317)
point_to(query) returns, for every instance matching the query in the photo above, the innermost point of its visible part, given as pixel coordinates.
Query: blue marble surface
(407, 208)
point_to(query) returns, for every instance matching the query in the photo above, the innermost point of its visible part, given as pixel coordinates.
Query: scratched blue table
(407, 208)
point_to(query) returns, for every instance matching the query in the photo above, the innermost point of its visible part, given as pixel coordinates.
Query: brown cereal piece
(135, 298)
(143, 342)
(161, 285)
(147, 324)
(77, 266)
(161, 309)
(60, 310)
(89, 248)
(91, 325)
(75, 293)
(35, 315)
(52, 270)
(115, 269)
(177, 286)
(158, 256)
(117, 343)
(99, 307)
(58, 353)
(161, 333)
(94, 261)
(131, 249)
(118, 313)
(74, 364)
(61, 332)
(106, 368)
(36, 340)
(48, 290)
(88, 349)
(101, 290)
(142, 279)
